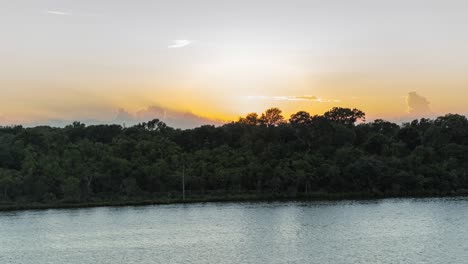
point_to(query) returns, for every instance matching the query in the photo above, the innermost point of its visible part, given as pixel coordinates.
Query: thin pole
(183, 180)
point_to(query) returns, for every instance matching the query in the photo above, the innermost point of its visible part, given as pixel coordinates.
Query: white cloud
(59, 13)
(179, 43)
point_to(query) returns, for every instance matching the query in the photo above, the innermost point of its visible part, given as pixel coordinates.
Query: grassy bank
(233, 197)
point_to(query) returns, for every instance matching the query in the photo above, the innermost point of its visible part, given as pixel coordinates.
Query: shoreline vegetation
(263, 157)
(227, 198)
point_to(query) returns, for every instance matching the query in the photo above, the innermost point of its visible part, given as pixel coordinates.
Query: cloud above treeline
(173, 118)
(417, 104)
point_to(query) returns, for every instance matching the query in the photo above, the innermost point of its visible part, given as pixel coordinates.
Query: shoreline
(230, 198)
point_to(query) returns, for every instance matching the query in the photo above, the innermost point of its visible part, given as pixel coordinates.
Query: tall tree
(345, 116)
(272, 117)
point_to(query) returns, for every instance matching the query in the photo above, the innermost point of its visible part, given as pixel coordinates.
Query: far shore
(237, 197)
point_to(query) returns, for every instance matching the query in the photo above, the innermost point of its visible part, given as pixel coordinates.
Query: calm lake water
(380, 231)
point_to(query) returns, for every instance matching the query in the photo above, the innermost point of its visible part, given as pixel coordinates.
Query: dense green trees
(260, 153)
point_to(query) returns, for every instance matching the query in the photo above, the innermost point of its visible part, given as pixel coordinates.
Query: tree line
(336, 152)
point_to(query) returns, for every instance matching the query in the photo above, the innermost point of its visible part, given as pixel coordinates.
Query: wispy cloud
(58, 13)
(309, 98)
(179, 43)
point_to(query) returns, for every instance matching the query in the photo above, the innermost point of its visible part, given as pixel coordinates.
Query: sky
(211, 61)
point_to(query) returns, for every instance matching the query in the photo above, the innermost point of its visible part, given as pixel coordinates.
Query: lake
(371, 231)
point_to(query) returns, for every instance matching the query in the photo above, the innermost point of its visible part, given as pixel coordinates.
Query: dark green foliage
(259, 153)
(345, 116)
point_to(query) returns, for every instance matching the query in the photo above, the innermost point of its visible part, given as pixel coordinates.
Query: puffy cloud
(417, 104)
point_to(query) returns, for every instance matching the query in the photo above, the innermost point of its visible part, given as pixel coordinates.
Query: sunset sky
(191, 62)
